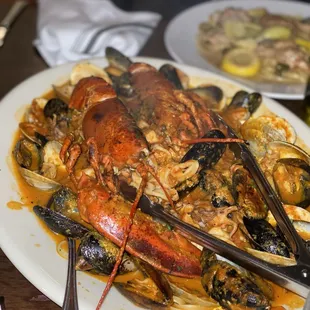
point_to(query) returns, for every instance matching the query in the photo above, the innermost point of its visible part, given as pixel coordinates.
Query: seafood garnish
(110, 140)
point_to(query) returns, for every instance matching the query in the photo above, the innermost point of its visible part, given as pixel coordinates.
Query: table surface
(19, 60)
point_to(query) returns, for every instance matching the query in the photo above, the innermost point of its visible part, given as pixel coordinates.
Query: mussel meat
(291, 177)
(28, 155)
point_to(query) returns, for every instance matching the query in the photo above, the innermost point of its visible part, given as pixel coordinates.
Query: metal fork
(70, 299)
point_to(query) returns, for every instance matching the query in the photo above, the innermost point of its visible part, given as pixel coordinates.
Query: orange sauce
(31, 196)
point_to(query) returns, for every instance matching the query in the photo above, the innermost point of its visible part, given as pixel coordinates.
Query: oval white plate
(19, 229)
(180, 39)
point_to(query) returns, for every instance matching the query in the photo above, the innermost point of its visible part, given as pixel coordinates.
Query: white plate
(20, 230)
(180, 40)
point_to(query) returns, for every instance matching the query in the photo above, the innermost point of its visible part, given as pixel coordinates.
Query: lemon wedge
(304, 43)
(241, 62)
(277, 33)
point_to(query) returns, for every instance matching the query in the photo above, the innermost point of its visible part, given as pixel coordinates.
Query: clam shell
(38, 181)
(86, 69)
(64, 91)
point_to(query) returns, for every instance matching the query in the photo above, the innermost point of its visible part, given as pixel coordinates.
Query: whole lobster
(115, 142)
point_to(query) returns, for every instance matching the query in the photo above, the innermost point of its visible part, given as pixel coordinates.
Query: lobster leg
(93, 155)
(74, 153)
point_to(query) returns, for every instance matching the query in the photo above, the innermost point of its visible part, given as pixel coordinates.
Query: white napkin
(71, 30)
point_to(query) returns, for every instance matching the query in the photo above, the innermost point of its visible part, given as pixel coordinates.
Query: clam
(33, 133)
(38, 181)
(260, 131)
(86, 69)
(64, 92)
(28, 155)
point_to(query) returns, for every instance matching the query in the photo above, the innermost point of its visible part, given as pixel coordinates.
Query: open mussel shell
(100, 255)
(38, 181)
(153, 292)
(172, 74)
(207, 154)
(209, 91)
(116, 59)
(28, 154)
(59, 223)
(265, 237)
(250, 101)
(291, 177)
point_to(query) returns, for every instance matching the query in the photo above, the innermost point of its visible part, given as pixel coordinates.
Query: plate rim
(15, 254)
(212, 68)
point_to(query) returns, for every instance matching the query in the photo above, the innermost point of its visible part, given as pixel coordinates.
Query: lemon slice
(304, 43)
(241, 62)
(277, 33)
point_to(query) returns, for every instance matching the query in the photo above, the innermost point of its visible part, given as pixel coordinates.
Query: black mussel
(246, 194)
(209, 91)
(207, 154)
(116, 59)
(55, 106)
(227, 285)
(217, 187)
(171, 74)
(265, 237)
(28, 155)
(100, 255)
(153, 292)
(64, 201)
(122, 84)
(291, 177)
(59, 223)
(243, 99)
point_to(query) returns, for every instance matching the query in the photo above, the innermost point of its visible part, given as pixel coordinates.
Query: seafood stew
(257, 44)
(84, 161)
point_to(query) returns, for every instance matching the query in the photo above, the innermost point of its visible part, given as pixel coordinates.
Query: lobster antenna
(123, 245)
(217, 140)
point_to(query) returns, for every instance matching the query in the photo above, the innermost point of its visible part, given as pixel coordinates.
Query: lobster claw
(148, 240)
